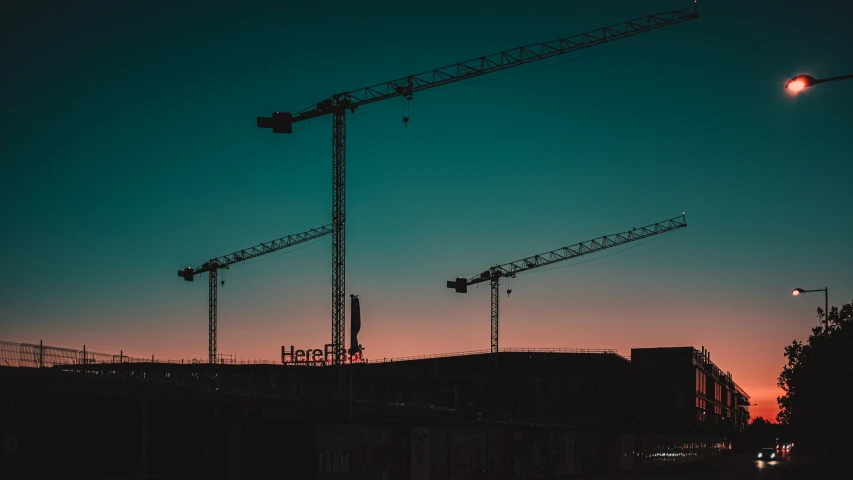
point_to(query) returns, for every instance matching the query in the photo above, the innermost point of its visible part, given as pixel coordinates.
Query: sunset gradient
(131, 151)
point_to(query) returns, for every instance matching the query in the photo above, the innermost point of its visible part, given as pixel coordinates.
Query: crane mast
(212, 267)
(338, 104)
(511, 269)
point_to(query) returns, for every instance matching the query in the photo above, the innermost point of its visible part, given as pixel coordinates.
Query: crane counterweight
(187, 274)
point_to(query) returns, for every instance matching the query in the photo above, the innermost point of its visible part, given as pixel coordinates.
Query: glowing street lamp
(801, 82)
(797, 291)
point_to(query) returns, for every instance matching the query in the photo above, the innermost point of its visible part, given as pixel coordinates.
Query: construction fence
(40, 355)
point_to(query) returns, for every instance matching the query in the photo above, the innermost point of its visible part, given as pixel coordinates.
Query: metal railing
(30, 355)
(253, 361)
(486, 352)
(40, 355)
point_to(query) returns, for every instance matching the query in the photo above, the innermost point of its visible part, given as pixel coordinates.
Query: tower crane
(509, 270)
(212, 267)
(338, 104)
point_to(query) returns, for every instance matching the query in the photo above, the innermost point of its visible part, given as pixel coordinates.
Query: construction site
(334, 413)
(514, 413)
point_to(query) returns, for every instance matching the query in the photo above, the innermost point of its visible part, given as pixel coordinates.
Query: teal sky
(130, 150)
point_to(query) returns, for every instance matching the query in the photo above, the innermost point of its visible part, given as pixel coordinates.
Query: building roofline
(600, 351)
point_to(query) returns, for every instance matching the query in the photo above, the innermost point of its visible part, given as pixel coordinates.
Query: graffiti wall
(627, 453)
(495, 456)
(420, 455)
(401, 464)
(354, 452)
(599, 452)
(438, 461)
(467, 449)
(543, 454)
(669, 449)
(420, 452)
(445, 453)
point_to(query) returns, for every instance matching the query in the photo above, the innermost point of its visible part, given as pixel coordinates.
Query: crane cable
(282, 253)
(501, 77)
(657, 237)
(406, 111)
(509, 289)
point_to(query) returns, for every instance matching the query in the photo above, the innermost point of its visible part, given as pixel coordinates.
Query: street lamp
(795, 292)
(801, 82)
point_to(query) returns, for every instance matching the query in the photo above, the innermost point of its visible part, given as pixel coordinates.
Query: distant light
(796, 85)
(799, 83)
(796, 291)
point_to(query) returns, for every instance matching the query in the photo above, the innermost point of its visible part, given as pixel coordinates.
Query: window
(700, 409)
(700, 382)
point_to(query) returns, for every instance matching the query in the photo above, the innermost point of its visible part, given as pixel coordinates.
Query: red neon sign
(315, 355)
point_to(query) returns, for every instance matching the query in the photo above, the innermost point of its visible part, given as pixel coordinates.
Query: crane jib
(282, 122)
(460, 284)
(494, 274)
(213, 265)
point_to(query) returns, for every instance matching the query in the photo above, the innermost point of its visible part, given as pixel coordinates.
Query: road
(730, 467)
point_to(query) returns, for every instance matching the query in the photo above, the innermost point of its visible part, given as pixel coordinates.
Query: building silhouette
(520, 413)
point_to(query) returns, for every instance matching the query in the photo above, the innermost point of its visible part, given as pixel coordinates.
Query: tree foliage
(817, 379)
(759, 422)
(759, 434)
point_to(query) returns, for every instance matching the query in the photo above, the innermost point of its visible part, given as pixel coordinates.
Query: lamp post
(801, 82)
(795, 292)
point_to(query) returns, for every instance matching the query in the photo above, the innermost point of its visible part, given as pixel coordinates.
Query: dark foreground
(58, 424)
(730, 467)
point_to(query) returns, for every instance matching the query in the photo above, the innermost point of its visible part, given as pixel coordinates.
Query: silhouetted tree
(758, 434)
(759, 422)
(816, 380)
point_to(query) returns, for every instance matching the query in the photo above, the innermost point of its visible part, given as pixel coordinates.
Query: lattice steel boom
(511, 269)
(339, 253)
(213, 266)
(338, 104)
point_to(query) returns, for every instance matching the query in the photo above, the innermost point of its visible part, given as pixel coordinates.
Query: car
(792, 453)
(767, 454)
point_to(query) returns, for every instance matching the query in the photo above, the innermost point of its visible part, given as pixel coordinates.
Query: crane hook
(406, 109)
